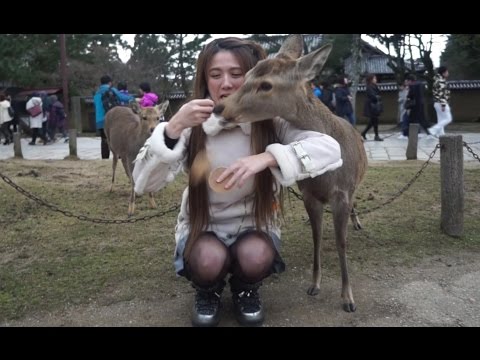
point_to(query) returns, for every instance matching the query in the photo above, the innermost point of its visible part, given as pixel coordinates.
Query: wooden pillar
(76, 114)
(17, 145)
(452, 192)
(72, 143)
(412, 142)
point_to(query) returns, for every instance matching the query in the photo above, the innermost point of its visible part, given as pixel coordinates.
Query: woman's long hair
(248, 53)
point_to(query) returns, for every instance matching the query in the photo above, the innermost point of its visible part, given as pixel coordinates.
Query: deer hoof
(349, 307)
(357, 225)
(313, 290)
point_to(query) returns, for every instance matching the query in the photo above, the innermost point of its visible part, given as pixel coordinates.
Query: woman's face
(224, 75)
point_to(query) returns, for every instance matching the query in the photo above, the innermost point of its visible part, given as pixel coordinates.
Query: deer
(126, 129)
(279, 87)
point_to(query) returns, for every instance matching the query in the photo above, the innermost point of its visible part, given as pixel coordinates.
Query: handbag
(409, 104)
(377, 108)
(35, 111)
(11, 112)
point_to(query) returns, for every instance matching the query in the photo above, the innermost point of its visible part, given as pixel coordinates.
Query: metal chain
(470, 150)
(176, 206)
(83, 217)
(395, 196)
(405, 187)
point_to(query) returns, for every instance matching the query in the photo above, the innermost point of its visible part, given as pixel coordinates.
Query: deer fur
(126, 130)
(280, 87)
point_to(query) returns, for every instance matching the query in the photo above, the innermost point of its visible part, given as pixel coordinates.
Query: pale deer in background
(280, 87)
(126, 130)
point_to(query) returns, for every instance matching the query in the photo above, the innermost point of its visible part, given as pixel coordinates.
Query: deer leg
(153, 204)
(114, 168)
(128, 169)
(315, 213)
(355, 220)
(341, 207)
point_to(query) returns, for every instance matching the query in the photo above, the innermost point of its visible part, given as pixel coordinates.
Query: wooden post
(451, 174)
(72, 143)
(75, 114)
(412, 142)
(17, 146)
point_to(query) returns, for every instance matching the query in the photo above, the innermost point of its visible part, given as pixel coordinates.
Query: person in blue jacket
(105, 84)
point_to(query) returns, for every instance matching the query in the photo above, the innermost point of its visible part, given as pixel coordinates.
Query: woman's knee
(253, 256)
(208, 261)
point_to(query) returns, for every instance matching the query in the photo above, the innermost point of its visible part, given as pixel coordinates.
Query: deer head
(275, 86)
(151, 116)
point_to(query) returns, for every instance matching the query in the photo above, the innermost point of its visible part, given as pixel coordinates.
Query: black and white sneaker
(207, 305)
(248, 307)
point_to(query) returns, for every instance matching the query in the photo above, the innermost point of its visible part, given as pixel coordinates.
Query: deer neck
(312, 115)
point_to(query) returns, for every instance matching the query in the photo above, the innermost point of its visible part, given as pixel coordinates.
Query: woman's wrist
(173, 130)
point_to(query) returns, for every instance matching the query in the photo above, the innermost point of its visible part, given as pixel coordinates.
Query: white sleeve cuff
(156, 164)
(291, 169)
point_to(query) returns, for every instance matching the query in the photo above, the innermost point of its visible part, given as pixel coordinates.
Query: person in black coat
(416, 112)
(373, 106)
(343, 100)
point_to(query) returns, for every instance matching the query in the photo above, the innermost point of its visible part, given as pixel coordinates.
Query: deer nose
(217, 110)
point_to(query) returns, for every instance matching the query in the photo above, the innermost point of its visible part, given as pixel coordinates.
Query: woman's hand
(246, 167)
(191, 114)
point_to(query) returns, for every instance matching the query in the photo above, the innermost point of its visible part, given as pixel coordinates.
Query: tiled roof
(311, 42)
(374, 64)
(176, 95)
(463, 84)
(453, 85)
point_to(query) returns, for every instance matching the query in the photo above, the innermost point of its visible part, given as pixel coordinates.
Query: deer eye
(265, 86)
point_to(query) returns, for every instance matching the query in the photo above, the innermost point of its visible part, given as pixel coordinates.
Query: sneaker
(378, 138)
(31, 143)
(206, 309)
(248, 307)
(402, 137)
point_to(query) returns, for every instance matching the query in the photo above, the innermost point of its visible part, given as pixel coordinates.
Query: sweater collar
(214, 125)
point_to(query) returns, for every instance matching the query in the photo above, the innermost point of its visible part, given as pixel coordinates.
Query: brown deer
(280, 87)
(126, 130)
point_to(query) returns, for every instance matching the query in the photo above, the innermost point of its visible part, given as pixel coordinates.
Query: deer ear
(163, 106)
(311, 64)
(135, 107)
(292, 46)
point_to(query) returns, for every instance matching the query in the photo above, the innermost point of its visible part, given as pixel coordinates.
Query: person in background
(441, 98)
(105, 84)
(122, 87)
(416, 113)
(37, 120)
(343, 99)
(148, 97)
(372, 107)
(233, 229)
(14, 121)
(5, 119)
(402, 111)
(327, 95)
(317, 91)
(57, 118)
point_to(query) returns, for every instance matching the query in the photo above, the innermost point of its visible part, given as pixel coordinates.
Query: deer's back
(350, 174)
(124, 132)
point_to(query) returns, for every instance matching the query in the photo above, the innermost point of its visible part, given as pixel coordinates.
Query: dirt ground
(440, 291)
(434, 290)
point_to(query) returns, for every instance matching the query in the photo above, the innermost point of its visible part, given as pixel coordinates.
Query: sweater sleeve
(156, 164)
(302, 154)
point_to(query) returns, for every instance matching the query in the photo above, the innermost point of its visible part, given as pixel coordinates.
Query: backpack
(109, 100)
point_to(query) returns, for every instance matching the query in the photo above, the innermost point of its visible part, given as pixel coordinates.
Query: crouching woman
(229, 220)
